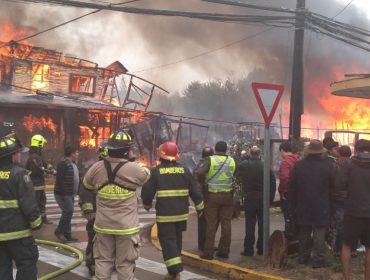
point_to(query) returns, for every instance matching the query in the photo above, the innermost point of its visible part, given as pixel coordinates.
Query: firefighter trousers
(121, 250)
(24, 253)
(90, 261)
(170, 238)
(41, 203)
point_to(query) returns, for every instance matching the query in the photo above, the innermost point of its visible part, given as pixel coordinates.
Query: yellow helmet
(38, 141)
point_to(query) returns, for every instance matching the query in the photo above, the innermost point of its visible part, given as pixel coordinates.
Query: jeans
(253, 210)
(67, 207)
(338, 223)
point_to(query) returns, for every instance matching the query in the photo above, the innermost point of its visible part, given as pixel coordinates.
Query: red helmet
(169, 151)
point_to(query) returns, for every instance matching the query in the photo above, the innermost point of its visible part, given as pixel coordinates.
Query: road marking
(142, 263)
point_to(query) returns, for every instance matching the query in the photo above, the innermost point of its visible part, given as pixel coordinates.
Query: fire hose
(64, 269)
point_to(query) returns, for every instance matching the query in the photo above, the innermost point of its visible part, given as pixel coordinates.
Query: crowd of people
(325, 194)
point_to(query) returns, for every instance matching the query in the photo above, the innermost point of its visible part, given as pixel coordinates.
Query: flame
(31, 122)
(87, 139)
(137, 116)
(40, 76)
(9, 32)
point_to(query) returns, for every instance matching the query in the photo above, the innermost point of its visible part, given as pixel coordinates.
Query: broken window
(82, 84)
(40, 76)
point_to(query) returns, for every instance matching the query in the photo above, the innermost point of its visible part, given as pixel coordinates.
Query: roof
(117, 66)
(358, 87)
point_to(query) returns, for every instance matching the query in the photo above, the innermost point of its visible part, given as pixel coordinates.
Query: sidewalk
(229, 267)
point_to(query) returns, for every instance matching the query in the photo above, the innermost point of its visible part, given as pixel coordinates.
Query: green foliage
(236, 146)
(298, 146)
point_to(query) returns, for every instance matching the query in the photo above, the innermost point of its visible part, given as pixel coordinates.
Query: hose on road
(64, 269)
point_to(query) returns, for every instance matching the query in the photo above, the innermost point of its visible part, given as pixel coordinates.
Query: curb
(230, 270)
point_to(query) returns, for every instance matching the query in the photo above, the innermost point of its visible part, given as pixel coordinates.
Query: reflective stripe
(168, 219)
(87, 206)
(15, 235)
(200, 206)
(173, 261)
(220, 190)
(9, 204)
(36, 222)
(87, 185)
(117, 231)
(142, 165)
(116, 196)
(147, 206)
(29, 172)
(170, 193)
(222, 182)
(39, 188)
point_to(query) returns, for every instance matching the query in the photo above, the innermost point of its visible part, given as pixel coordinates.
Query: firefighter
(36, 168)
(116, 225)
(19, 214)
(88, 208)
(173, 184)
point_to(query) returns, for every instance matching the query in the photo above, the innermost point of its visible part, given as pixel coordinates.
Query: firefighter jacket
(19, 212)
(173, 184)
(117, 203)
(34, 167)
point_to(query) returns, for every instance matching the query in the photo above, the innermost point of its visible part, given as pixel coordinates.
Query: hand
(54, 172)
(200, 214)
(282, 197)
(89, 216)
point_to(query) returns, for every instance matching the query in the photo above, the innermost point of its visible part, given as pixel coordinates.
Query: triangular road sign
(268, 97)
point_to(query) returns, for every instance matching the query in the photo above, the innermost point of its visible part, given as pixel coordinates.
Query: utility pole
(296, 98)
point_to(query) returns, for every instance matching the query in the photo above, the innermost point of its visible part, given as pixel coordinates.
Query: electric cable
(343, 9)
(64, 269)
(202, 54)
(59, 25)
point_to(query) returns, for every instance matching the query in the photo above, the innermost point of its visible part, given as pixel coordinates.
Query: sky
(141, 42)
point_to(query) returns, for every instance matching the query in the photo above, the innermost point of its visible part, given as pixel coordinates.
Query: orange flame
(9, 32)
(137, 116)
(40, 76)
(31, 122)
(87, 139)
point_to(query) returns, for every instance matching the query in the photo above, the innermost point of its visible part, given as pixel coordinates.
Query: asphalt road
(150, 265)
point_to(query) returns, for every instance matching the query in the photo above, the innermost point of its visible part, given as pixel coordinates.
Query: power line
(54, 27)
(205, 53)
(343, 9)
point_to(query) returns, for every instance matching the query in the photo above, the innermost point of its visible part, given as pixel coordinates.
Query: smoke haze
(142, 42)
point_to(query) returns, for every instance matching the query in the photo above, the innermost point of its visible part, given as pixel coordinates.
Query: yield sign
(268, 97)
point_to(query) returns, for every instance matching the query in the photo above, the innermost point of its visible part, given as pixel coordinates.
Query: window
(82, 84)
(40, 76)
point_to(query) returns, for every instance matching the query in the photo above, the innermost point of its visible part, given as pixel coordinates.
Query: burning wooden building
(73, 101)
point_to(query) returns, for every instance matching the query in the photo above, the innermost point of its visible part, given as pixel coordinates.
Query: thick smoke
(142, 42)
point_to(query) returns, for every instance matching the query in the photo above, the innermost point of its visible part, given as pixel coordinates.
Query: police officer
(19, 214)
(173, 184)
(36, 168)
(216, 174)
(88, 208)
(115, 179)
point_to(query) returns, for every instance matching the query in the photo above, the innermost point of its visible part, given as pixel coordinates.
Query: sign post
(268, 97)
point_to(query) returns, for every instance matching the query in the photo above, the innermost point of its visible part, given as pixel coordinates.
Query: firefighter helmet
(103, 151)
(169, 151)
(38, 141)
(120, 139)
(10, 145)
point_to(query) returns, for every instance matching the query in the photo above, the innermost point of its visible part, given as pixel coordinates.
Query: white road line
(148, 265)
(58, 215)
